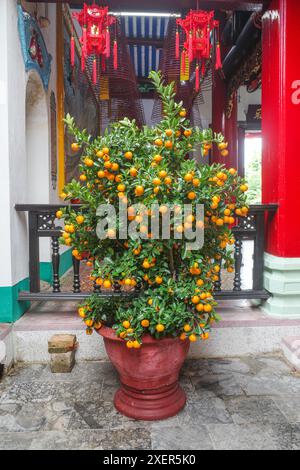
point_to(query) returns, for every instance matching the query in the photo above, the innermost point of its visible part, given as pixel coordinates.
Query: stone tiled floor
(246, 403)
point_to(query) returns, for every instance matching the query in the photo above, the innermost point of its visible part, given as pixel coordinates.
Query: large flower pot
(149, 375)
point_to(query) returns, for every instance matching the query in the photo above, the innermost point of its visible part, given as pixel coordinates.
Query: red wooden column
(281, 124)
(280, 159)
(228, 127)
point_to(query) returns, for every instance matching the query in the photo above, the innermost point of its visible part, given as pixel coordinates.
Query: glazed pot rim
(109, 333)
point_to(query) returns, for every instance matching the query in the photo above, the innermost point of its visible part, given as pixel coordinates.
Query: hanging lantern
(95, 22)
(201, 42)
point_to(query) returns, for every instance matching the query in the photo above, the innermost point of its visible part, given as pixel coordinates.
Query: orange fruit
(136, 344)
(146, 264)
(156, 181)
(133, 171)
(129, 344)
(126, 324)
(107, 284)
(157, 158)
(232, 171)
(244, 187)
(127, 282)
(207, 308)
(80, 219)
(89, 322)
(115, 167)
(158, 142)
(159, 327)
(187, 328)
(168, 144)
(145, 323)
(191, 195)
(222, 145)
(82, 177)
(205, 335)
(195, 299)
(75, 253)
(128, 155)
(168, 180)
(187, 132)
(150, 301)
(182, 113)
(182, 336)
(169, 132)
(88, 161)
(97, 325)
(162, 173)
(188, 177)
(99, 154)
(158, 280)
(75, 147)
(200, 282)
(196, 182)
(139, 190)
(100, 174)
(121, 187)
(193, 338)
(89, 331)
(199, 307)
(107, 165)
(81, 312)
(59, 214)
(105, 150)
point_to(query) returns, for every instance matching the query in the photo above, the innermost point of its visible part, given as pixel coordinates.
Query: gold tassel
(104, 88)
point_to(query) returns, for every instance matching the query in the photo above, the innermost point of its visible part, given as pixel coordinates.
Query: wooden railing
(249, 231)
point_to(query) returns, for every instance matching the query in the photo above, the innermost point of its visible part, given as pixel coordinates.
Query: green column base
(282, 279)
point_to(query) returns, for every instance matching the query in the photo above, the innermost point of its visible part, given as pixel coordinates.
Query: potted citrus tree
(159, 290)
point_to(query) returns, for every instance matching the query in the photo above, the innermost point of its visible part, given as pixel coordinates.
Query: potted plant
(159, 291)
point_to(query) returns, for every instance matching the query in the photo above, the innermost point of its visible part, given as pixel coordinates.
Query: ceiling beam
(171, 6)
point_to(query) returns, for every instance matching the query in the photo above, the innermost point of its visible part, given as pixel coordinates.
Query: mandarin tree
(153, 165)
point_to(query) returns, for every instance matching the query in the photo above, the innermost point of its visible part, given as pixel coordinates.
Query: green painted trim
(10, 308)
(65, 263)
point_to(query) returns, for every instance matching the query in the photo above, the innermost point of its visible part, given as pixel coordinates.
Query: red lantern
(199, 39)
(95, 22)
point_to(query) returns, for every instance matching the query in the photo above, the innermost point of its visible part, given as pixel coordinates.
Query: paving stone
(15, 440)
(241, 437)
(246, 410)
(122, 439)
(208, 411)
(83, 371)
(24, 373)
(290, 407)
(195, 367)
(99, 414)
(269, 385)
(286, 436)
(218, 384)
(221, 366)
(46, 391)
(181, 438)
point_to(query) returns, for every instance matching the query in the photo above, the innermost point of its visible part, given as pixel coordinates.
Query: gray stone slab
(195, 367)
(15, 440)
(218, 384)
(181, 438)
(83, 371)
(286, 436)
(241, 437)
(290, 407)
(123, 439)
(224, 366)
(247, 410)
(208, 410)
(286, 385)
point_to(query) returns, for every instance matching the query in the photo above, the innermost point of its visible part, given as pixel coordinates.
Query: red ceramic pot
(149, 375)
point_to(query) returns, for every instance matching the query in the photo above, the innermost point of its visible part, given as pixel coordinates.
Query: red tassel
(197, 80)
(107, 43)
(72, 51)
(190, 47)
(82, 61)
(183, 62)
(115, 55)
(84, 40)
(103, 63)
(94, 71)
(218, 57)
(203, 69)
(177, 45)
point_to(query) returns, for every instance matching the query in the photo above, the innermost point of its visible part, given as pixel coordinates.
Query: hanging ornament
(199, 44)
(95, 22)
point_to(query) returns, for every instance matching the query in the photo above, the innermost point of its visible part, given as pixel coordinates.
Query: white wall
(13, 179)
(244, 99)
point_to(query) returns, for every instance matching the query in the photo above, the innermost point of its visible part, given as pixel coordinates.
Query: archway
(37, 142)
